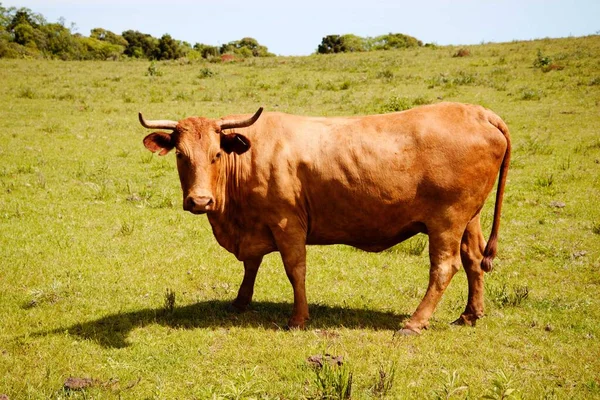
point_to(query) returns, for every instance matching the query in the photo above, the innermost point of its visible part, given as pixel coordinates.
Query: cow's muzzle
(198, 204)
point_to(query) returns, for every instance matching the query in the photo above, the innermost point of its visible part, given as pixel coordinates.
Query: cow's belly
(375, 237)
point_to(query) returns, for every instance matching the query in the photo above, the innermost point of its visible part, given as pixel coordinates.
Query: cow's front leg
(246, 291)
(291, 243)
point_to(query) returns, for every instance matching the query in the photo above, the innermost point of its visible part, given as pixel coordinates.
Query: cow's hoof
(237, 308)
(407, 332)
(294, 325)
(466, 320)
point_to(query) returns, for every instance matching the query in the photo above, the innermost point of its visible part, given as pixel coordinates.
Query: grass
(104, 278)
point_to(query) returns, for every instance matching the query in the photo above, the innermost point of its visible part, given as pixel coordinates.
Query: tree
(354, 43)
(59, 42)
(331, 44)
(6, 16)
(25, 16)
(349, 42)
(207, 51)
(395, 41)
(168, 48)
(23, 34)
(140, 45)
(108, 36)
(246, 47)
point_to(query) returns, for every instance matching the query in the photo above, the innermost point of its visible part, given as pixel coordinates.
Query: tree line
(26, 34)
(351, 43)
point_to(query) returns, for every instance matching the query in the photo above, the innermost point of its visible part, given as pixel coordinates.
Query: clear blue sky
(297, 27)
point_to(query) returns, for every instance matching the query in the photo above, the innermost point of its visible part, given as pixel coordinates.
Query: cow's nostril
(198, 204)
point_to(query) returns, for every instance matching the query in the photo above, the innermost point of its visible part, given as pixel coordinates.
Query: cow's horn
(157, 124)
(230, 124)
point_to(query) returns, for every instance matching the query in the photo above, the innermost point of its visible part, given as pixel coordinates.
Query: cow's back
(372, 181)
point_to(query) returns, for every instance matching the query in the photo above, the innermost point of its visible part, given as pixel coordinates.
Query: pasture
(104, 278)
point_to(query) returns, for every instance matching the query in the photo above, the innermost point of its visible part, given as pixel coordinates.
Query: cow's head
(199, 144)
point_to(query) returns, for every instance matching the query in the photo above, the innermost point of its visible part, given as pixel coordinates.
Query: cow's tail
(492, 245)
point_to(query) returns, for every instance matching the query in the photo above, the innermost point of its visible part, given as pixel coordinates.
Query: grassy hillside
(103, 276)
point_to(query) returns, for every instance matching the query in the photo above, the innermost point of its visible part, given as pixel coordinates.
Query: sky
(297, 27)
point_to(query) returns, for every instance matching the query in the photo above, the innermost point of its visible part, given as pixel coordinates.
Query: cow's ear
(159, 141)
(235, 142)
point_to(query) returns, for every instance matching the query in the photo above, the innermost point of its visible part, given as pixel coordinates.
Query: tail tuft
(487, 264)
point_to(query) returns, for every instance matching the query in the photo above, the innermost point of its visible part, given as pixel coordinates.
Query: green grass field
(103, 276)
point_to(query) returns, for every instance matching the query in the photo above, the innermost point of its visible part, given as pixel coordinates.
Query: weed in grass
(16, 213)
(244, 386)
(146, 158)
(451, 386)
(504, 296)
(157, 98)
(596, 228)
(345, 85)
(448, 81)
(541, 61)
(386, 75)
(565, 164)
(333, 380)
(499, 71)
(501, 387)
(169, 303)
(415, 246)
(40, 297)
(420, 101)
(101, 191)
(526, 93)
(206, 73)
(333, 86)
(545, 180)
(66, 96)
(25, 169)
(182, 96)
(546, 64)
(396, 103)
(52, 128)
(593, 386)
(123, 153)
(153, 70)
(41, 181)
(163, 200)
(126, 228)
(27, 93)
(385, 380)
(536, 145)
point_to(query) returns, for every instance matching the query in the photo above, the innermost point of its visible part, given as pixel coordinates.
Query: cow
(278, 182)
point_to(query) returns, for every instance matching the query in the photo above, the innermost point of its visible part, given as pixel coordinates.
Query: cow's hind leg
(246, 291)
(444, 255)
(471, 253)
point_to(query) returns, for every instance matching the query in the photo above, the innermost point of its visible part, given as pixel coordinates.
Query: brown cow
(280, 182)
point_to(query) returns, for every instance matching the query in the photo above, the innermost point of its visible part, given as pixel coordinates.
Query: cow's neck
(226, 220)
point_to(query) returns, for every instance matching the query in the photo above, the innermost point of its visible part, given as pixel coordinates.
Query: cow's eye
(217, 156)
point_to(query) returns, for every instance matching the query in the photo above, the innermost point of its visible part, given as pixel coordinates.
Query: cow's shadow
(113, 330)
